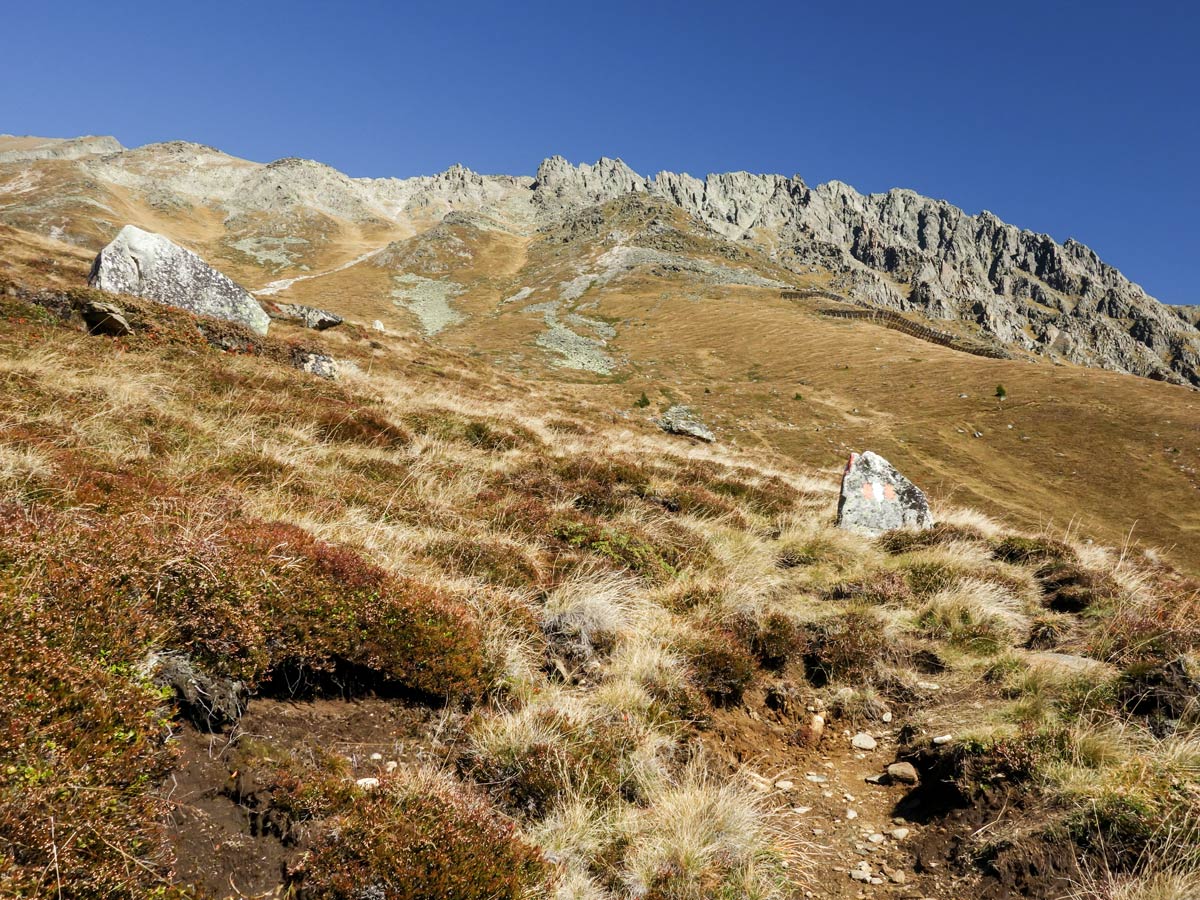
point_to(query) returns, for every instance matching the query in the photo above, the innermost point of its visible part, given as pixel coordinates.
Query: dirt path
(869, 836)
(283, 284)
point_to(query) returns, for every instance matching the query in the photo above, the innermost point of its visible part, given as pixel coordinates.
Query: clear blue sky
(1079, 120)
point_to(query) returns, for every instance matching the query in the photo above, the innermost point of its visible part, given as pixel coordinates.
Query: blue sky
(1079, 120)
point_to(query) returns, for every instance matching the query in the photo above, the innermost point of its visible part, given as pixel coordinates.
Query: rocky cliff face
(903, 251)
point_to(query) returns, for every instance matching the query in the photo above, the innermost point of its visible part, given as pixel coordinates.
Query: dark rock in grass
(148, 265)
(877, 498)
(680, 419)
(209, 701)
(310, 316)
(105, 318)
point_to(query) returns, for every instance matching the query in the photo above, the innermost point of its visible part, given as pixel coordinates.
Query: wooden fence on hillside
(804, 293)
(897, 322)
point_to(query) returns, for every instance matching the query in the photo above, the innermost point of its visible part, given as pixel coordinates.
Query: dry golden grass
(621, 585)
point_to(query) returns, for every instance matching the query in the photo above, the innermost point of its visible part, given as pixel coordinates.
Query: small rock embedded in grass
(943, 739)
(864, 741)
(928, 686)
(785, 785)
(851, 814)
(367, 784)
(903, 772)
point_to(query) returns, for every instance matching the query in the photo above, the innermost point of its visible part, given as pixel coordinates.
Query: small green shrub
(1048, 630)
(963, 624)
(642, 402)
(623, 547)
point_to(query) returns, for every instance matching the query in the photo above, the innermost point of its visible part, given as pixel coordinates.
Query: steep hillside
(436, 629)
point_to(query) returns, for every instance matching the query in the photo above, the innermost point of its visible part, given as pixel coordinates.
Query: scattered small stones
(903, 772)
(378, 326)
(901, 833)
(864, 741)
(851, 814)
(785, 785)
(815, 778)
(861, 872)
(876, 838)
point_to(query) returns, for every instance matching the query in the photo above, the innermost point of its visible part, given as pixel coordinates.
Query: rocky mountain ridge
(898, 250)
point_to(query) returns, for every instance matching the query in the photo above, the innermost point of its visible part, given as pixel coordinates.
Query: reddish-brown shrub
(419, 837)
(721, 666)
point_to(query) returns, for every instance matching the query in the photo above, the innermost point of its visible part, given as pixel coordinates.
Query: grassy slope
(608, 603)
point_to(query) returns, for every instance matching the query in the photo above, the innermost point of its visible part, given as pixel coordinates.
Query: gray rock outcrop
(903, 251)
(319, 364)
(29, 149)
(148, 265)
(877, 498)
(680, 419)
(309, 316)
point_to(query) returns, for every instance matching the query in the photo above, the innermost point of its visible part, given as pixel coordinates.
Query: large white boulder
(876, 498)
(149, 265)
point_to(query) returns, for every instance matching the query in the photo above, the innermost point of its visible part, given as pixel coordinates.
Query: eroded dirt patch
(231, 834)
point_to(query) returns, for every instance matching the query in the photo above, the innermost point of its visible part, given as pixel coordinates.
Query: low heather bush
(419, 836)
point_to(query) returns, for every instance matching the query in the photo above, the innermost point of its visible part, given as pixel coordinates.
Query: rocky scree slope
(897, 250)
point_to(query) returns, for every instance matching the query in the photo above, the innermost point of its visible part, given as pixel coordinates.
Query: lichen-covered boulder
(680, 419)
(149, 265)
(876, 498)
(314, 363)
